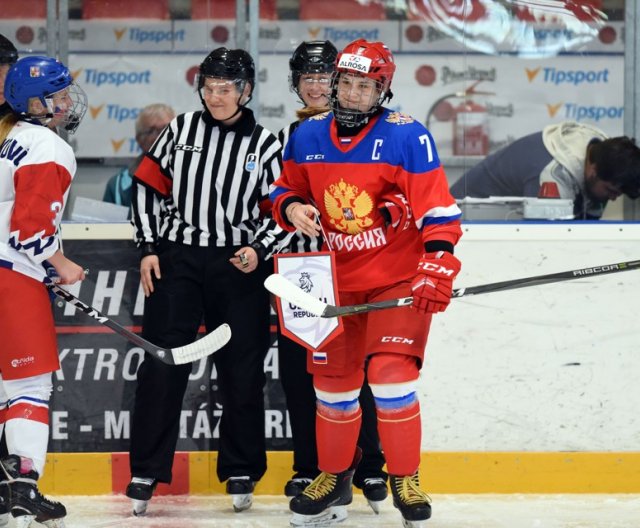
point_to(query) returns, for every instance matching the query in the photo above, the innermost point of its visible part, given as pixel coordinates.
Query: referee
(199, 211)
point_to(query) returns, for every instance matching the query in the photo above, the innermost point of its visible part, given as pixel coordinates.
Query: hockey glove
(396, 211)
(433, 284)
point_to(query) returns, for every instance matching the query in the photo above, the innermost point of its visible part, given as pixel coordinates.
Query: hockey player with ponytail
(345, 162)
(36, 169)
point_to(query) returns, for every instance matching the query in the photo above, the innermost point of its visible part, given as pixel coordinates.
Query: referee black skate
(200, 211)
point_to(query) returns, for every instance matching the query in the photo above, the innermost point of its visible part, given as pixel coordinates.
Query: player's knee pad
(393, 379)
(337, 396)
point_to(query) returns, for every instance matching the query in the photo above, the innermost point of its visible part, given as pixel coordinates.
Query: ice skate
(375, 491)
(241, 491)
(413, 503)
(295, 486)
(324, 501)
(140, 490)
(25, 502)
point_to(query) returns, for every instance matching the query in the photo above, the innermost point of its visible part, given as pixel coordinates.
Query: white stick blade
(283, 288)
(203, 347)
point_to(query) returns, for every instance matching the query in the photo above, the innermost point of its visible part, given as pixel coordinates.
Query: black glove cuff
(147, 249)
(260, 250)
(433, 246)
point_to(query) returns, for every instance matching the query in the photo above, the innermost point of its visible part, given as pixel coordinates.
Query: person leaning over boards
(311, 66)
(199, 210)
(8, 57)
(151, 120)
(584, 164)
(36, 170)
(367, 152)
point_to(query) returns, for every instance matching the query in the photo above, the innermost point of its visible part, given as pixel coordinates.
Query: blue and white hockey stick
(280, 286)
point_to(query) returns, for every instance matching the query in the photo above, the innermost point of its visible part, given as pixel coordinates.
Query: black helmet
(235, 64)
(8, 52)
(314, 56)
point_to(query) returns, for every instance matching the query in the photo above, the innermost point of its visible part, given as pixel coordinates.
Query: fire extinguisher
(470, 127)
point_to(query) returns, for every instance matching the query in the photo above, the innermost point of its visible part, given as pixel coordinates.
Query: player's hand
(433, 284)
(303, 218)
(396, 211)
(67, 271)
(245, 259)
(149, 268)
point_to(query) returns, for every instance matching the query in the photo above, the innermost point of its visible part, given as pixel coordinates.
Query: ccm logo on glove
(433, 285)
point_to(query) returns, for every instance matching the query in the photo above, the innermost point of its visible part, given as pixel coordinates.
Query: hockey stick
(199, 349)
(280, 286)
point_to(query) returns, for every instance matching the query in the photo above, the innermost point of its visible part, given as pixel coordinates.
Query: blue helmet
(42, 77)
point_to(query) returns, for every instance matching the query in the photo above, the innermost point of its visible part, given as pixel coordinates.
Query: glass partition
(495, 81)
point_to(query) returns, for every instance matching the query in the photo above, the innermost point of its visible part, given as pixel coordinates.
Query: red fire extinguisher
(470, 126)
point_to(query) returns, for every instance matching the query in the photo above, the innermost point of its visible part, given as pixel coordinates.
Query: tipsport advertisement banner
(94, 390)
(457, 97)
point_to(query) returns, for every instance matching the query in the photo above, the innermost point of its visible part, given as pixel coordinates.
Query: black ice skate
(140, 490)
(24, 500)
(375, 491)
(413, 503)
(241, 491)
(324, 501)
(293, 487)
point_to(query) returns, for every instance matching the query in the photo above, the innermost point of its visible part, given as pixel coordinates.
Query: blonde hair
(310, 111)
(6, 124)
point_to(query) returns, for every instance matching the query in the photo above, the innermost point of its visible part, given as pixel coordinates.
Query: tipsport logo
(558, 76)
(157, 36)
(578, 112)
(95, 77)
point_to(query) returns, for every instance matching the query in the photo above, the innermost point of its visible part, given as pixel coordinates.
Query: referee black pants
(197, 283)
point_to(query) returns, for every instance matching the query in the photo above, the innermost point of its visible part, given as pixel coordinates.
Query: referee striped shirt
(300, 243)
(202, 184)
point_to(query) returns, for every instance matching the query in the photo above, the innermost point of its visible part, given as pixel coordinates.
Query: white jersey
(36, 169)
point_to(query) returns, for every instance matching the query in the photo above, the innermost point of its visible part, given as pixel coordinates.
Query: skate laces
(408, 489)
(323, 484)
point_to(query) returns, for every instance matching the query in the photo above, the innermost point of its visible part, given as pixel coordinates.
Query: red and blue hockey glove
(396, 211)
(433, 284)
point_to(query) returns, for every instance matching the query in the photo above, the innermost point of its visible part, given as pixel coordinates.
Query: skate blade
(139, 507)
(242, 502)
(329, 517)
(375, 505)
(414, 524)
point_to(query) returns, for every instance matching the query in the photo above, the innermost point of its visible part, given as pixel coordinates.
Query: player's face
(222, 98)
(314, 89)
(356, 92)
(60, 104)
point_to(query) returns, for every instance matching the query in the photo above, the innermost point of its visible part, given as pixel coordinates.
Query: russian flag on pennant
(319, 358)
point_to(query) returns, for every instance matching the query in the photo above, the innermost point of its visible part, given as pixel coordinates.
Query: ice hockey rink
(449, 511)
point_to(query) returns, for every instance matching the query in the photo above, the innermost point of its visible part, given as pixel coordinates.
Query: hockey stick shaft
(214, 340)
(280, 286)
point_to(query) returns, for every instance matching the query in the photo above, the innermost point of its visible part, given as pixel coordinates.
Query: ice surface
(449, 511)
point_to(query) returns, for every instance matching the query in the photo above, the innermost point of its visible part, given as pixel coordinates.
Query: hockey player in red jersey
(339, 165)
(36, 169)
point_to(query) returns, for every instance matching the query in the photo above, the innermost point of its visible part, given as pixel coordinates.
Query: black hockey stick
(280, 286)
(203, 347)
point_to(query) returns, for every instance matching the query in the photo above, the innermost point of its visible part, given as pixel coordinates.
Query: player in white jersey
(36, 169)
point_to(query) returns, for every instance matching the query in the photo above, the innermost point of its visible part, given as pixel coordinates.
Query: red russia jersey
(349, 179)
(36, 169)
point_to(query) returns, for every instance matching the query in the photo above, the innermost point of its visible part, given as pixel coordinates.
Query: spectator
(311, 66)
(8, 57)
(199, 202)
(34, 186)
(338, 166)
(585, 166)
(151, 120)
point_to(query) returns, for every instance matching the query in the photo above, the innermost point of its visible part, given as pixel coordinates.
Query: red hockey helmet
(372, 60)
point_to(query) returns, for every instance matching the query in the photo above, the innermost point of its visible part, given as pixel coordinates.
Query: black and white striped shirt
(202, 184)
(300, 243)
